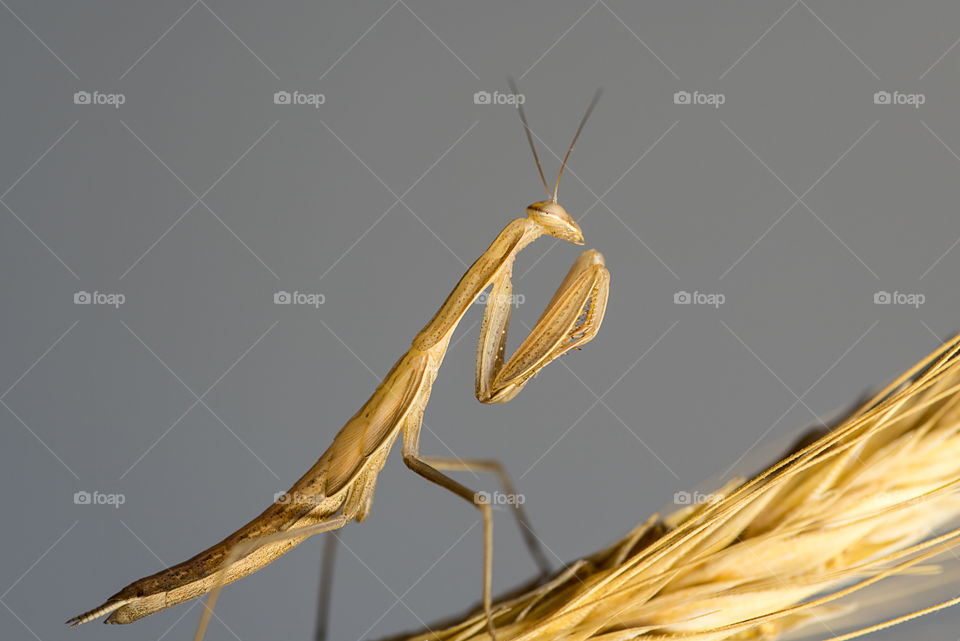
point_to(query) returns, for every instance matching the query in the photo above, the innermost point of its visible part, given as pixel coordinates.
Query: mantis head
(555, 220)
(548, 214)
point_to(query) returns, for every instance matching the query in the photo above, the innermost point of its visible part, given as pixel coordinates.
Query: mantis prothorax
(339, 488)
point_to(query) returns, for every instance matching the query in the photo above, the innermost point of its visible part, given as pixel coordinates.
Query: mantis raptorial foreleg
(570, 319)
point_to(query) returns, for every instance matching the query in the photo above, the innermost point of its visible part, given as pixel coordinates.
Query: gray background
(797, 199)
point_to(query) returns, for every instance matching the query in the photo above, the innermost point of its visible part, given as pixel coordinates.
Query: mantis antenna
(526, 128)
(593, 103)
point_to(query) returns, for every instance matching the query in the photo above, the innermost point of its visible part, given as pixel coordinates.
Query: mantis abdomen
(341, 481)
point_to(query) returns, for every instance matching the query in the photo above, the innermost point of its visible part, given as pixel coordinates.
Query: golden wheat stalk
(864, 501)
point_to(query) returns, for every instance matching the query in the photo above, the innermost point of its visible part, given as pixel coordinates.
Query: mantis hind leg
(242, 549)
(357, 506)
(325, 591)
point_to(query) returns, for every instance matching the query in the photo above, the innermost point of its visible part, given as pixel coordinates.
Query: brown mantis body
(339, 488)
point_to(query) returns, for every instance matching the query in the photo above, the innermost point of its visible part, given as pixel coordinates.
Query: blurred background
(773, 185)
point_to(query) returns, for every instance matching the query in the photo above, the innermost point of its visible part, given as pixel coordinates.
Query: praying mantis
(339, 488)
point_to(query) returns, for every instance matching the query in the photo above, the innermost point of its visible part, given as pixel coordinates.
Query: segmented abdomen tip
(96, 613)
